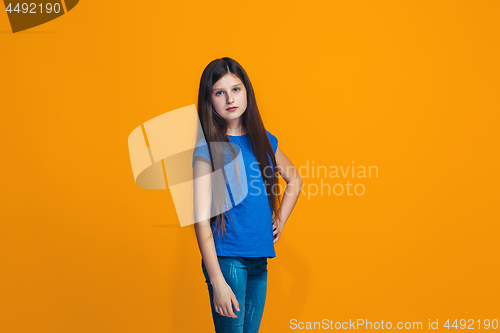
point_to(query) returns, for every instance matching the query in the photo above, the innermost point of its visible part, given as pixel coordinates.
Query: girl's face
(229, 97)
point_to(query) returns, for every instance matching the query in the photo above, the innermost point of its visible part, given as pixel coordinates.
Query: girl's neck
(236, 132)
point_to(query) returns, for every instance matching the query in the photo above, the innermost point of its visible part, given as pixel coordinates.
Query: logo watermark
(163, 151)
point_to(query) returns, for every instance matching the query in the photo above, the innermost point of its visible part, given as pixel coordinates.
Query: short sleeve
(201, 150)
(273, 140)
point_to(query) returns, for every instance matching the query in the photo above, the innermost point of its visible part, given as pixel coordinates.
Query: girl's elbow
(299, 182)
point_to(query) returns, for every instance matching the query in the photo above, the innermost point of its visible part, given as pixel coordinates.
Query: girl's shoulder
(201, 149)
(273, 140)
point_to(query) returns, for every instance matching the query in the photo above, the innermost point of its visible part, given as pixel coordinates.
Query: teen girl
(235, 243)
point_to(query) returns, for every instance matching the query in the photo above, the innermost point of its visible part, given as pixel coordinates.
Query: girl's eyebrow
(239, 84)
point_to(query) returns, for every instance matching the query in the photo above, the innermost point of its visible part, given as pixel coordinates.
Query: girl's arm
(223, 296)
(202, 204)
(294, 184)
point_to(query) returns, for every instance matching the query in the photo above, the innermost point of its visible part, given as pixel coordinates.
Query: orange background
(410, 87)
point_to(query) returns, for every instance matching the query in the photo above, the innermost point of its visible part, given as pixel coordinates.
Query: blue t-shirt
(252, 232)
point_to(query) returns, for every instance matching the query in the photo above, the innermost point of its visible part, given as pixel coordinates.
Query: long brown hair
(214, 128)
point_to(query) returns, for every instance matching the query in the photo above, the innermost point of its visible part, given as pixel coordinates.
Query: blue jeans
(247, 277)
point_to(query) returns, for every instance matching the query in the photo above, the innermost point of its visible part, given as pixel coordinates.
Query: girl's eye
(220, 92)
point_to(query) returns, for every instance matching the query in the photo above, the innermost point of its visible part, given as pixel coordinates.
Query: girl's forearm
(289, 199)
(208, 253)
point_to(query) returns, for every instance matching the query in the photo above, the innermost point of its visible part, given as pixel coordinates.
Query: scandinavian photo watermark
(319, 180)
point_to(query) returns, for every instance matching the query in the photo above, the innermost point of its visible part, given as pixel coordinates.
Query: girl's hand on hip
(278, 226)
(224, 299)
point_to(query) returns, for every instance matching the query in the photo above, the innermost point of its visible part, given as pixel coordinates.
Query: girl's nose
(230, 98)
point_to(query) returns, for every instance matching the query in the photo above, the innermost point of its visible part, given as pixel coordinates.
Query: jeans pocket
(260, 265)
